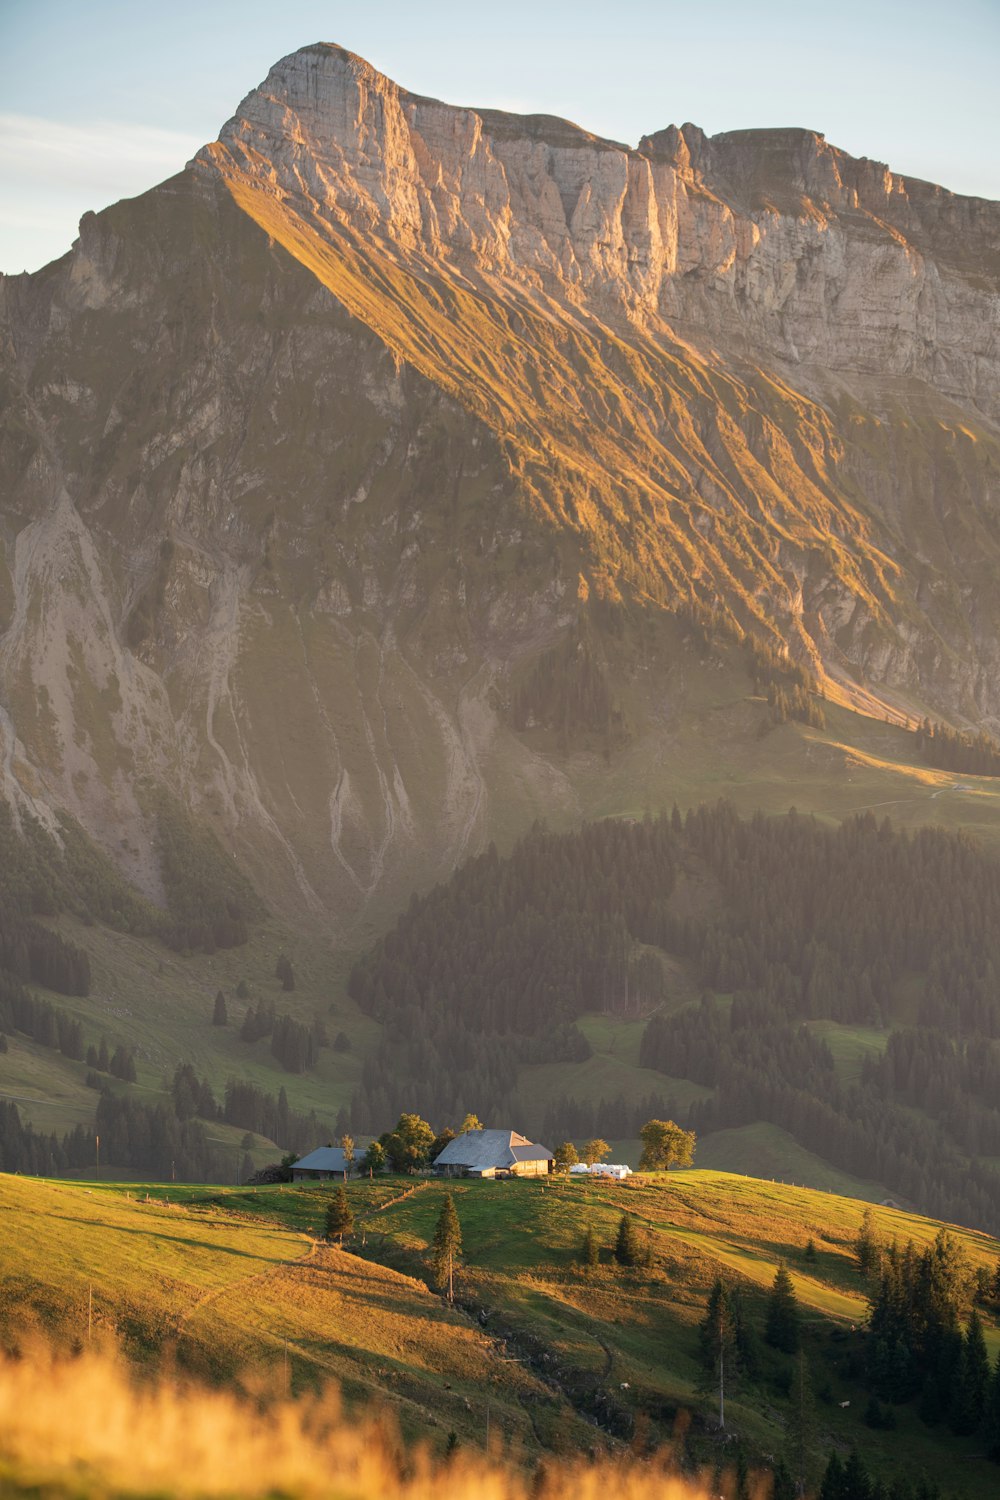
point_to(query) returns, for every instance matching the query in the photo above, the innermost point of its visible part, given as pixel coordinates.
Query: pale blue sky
(100, 99)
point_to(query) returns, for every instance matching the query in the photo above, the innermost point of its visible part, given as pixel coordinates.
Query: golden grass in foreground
(82, 1427)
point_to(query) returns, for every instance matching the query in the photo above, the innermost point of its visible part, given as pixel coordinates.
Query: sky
(101, 99)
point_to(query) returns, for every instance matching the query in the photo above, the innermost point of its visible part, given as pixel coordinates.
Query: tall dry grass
(83, 1427)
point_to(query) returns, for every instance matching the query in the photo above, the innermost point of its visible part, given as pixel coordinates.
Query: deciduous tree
(665, 1145)
(595, 1150)
(566, 1156)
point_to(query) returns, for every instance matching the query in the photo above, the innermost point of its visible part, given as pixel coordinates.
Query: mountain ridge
(311, 453)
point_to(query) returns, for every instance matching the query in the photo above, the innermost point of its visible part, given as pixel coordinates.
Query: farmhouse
(493, 1153)
(324, 1162)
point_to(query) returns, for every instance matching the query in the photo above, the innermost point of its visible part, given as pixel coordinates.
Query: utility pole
(487, 1425)
(90, 1310)
(97, 1140)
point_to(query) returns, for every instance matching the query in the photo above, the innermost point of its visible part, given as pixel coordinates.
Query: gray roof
(481, 1150)
(323, 1159)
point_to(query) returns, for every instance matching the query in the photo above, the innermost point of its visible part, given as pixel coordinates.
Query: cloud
(105, 154)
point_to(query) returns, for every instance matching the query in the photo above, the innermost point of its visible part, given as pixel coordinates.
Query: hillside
(399, 471)
(563, 1357)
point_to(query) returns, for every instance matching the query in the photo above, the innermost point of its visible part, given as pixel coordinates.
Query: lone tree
(665, 1145)
(590, 1253)
(447, 1246)
(867, 1246)
(595, 1150)
(283, 970)
(220, 1016)
(566, 1156)
(781, 1329)
(347, 1146)
(627, 1249)
(339, 1218)
(717, 1340)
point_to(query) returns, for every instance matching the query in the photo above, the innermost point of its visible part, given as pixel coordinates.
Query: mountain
(368, 485)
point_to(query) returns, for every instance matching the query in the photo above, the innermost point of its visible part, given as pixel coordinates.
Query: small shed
(323, 1163)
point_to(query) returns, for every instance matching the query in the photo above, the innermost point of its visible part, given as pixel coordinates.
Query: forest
(781, 921)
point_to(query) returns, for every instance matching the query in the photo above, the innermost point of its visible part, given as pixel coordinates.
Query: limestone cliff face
(307, 452)
(774, 240)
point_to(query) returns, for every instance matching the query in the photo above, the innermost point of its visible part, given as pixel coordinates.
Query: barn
(323, 1163)
(493, 1153)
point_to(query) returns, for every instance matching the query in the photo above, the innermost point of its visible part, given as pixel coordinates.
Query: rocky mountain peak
(328, 462)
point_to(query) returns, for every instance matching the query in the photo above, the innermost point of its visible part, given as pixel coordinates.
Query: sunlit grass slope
(226, 1292)
(625, 1342)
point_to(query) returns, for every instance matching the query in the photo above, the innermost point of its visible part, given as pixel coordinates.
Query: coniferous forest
(780, 922)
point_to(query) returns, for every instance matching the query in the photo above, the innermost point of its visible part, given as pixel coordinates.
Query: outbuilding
(323, 1163)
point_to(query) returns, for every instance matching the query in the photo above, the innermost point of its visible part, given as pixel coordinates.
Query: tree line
(954, 750)
(493, 969)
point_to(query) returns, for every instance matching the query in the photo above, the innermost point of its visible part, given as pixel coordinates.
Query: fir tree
(867, 1246)
(801, 1425)
(219, 1015)
(339, 1217)
(781, 1329)
(447, 1246)
(717, 1343)
(627, 1250)
(589, 1252)
(991, 1421)
(969, 1399)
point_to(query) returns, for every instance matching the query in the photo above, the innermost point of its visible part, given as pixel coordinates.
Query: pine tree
(857, 1480)
(339, 1218)
(717, 1342)
(627, 1251)
(801, 1425)
(589, 1251)
(867, 1247)
(781, 1329)
(832, 1487)
(447, 1246)
(991, 1422)
(219, 1015)
(969, 1398)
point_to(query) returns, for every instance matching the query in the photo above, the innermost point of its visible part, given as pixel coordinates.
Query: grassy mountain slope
(229, 1292)
(229, 1278)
